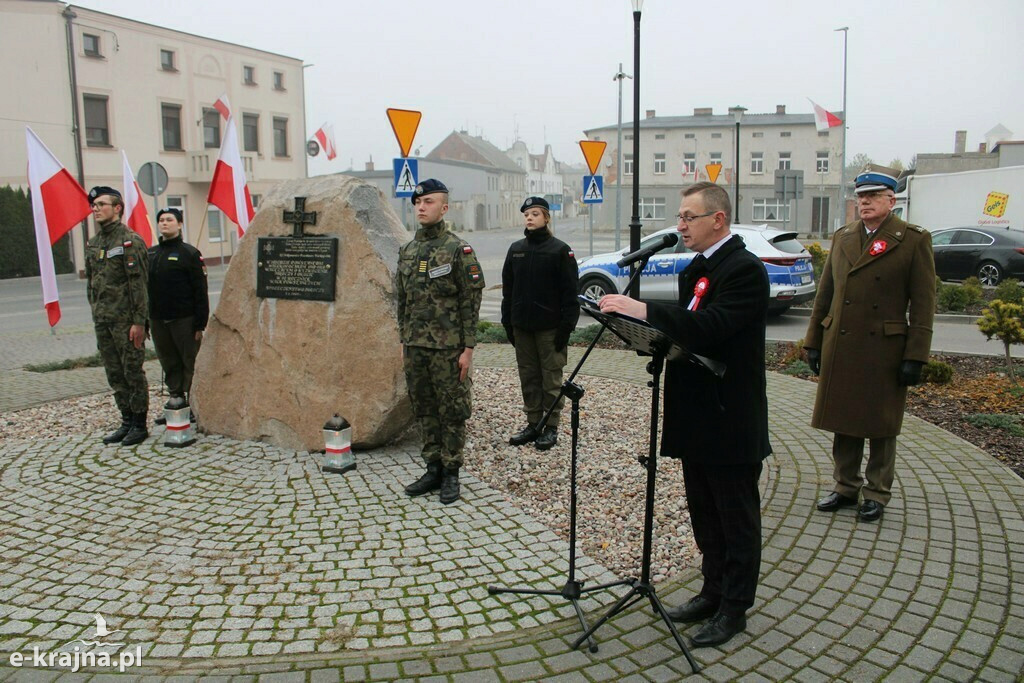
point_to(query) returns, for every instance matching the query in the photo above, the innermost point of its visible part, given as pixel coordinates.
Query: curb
(940, 317)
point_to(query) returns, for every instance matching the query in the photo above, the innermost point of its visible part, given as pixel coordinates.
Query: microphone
(665, 242)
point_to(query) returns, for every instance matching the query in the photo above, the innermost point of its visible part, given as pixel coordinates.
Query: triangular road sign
(593, 150)
(404, 122)
(713, 171)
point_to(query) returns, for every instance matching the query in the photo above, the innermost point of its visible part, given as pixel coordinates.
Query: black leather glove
(814, 360)
(910, 373)
(561, 340)
(510, 335)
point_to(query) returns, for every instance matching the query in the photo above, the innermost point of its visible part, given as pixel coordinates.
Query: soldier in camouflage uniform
(438, 287)
(115, 271)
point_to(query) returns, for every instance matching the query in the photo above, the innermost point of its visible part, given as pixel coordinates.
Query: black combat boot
(118, 434)
(138, 432)
(548, 439)
(430, 481)
(525, 436)
(450, 485)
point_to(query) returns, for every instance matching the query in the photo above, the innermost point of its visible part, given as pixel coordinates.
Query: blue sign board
(406, 176)
(593, 189)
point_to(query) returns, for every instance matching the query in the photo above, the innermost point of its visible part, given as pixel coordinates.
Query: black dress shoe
(870, 510)
(697, 608)
(548, 439)
(524, 437)
(720, 629)
(834, 501)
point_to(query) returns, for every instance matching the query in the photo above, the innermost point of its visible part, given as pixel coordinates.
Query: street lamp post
(737, 113)
(618, 165)
(634, 226)
(846, 117)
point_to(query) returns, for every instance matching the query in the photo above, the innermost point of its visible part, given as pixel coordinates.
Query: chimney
(983, 147)
(702, 111)
(780, 109)
(960, 145)
(369, 165)
(650, 114)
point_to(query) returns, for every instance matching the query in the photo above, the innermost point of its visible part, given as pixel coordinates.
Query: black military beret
(101, 190)
(429, 186)
(534, 202)
(174, 212)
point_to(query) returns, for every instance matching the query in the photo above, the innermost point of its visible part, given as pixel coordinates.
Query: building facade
(676, 151)
(542, 176)
(102, 83)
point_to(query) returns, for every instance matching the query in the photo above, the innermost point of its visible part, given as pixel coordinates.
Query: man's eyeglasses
(690, 219)
(95, 204)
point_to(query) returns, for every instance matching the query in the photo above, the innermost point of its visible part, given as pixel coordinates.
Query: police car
(788, 264)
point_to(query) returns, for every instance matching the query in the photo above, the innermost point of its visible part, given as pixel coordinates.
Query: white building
(542, 176)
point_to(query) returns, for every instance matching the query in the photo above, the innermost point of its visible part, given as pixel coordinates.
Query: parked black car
(989, 254)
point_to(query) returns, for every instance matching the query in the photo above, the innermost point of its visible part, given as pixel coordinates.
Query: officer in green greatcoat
(116, 266)
(439, 287)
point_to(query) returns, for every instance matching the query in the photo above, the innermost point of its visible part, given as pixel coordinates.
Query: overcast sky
(917, 71)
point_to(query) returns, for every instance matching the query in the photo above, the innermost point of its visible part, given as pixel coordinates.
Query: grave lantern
(338, 446)
(180, 431)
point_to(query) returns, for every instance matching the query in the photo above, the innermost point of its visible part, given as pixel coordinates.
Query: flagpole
(846, 119)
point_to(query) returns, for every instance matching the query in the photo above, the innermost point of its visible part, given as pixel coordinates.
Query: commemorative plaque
(300, 266)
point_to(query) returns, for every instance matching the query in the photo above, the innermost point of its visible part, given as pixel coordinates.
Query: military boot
(524, 436)
(547, 440)
(137, 433)
(450, 485)
(118, 434)
(430, 481)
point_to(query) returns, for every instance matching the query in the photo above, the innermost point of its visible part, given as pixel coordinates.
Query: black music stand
(645, 338)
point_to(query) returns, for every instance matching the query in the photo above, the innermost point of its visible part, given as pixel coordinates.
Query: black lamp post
(634, 226)
(737, 113)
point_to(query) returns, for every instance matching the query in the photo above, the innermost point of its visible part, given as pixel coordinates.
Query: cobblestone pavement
(239, 560)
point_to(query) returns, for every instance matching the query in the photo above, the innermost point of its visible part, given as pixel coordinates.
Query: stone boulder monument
(295, 338)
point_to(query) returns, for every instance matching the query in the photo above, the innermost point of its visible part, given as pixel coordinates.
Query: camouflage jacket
(116, 266)
(439, 286)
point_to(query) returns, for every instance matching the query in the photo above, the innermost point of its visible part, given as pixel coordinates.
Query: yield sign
(713, 171)
(593, 150)
(404, 122)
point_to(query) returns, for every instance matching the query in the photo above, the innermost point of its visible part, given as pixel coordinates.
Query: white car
(788, 264)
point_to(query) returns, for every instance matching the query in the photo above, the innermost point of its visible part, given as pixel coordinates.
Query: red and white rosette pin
(699, 290)
(877, 247)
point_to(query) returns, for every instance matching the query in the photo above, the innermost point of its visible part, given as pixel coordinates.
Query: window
(716, 157)
(716, 135)
(255, 201)
(251, 132)
(758, 135)
(785, 162)
(211, 128)
(628, 137)
(249, 75)
(627, 164)
(178, 202)
(785, 134)
(659, 136)
(823, 134)
(97, 131)
(770, 210)
(689, 136)
(170, 115)
(167, 60)
(757, 162)
(822, 165)
(659, 164)
(280, 137)
(278, 80)
(215, 224)
(652, 208)
(91, 45)
(689, 162)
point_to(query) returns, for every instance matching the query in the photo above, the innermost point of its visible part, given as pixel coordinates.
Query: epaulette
(918, 228)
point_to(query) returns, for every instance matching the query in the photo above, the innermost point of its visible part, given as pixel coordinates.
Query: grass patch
(1008, 423)
(92, 361)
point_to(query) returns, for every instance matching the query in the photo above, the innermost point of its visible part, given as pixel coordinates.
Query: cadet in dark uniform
(861, 340)
(179, 305)
(438, 287)
(115, 273)
(539, 311)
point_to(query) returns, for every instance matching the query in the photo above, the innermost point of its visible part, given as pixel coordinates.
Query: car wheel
(595, 287)
(990, 273)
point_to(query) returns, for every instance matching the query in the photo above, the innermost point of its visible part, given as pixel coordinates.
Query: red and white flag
(136, 216)
(58, 204)
(223, 106)
(824, 119)
(326, 137)
(228, 191)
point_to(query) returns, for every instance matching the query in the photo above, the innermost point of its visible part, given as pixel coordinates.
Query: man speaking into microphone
(718, 428)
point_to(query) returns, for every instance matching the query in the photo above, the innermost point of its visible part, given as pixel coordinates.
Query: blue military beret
(171, 210)
(875, 177)
(429, 186)
(101, 190)
(534, 202)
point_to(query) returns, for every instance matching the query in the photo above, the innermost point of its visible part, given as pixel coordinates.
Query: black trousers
(176, 345)
(725, 512)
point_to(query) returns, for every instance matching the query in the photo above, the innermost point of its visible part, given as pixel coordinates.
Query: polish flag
(223, 106)
(58, 204)
(824, 119)
(136, 216)
(228, 191)
(326, 137)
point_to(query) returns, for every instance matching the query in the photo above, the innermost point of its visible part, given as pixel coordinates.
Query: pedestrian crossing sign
(593, 189)
(406, 175)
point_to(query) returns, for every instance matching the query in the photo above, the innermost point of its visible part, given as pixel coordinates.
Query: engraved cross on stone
(299, 218)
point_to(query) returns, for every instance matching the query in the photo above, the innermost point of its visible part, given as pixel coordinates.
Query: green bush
(1009, 291)
(582, 336)
(818, 257)
(490, 333)
(798, 368)
(937, 372)
(1008, 423)
(952, 298)
(972, 286)
(19, 258)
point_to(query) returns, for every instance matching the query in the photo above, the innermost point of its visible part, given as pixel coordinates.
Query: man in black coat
(717, 427)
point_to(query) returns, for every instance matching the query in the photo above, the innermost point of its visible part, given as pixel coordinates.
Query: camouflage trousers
(441, 403)
(123, 363)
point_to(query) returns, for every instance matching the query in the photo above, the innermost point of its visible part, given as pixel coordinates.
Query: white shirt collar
(714, 247)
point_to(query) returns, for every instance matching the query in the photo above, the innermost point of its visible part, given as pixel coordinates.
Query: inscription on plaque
(290, 268)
